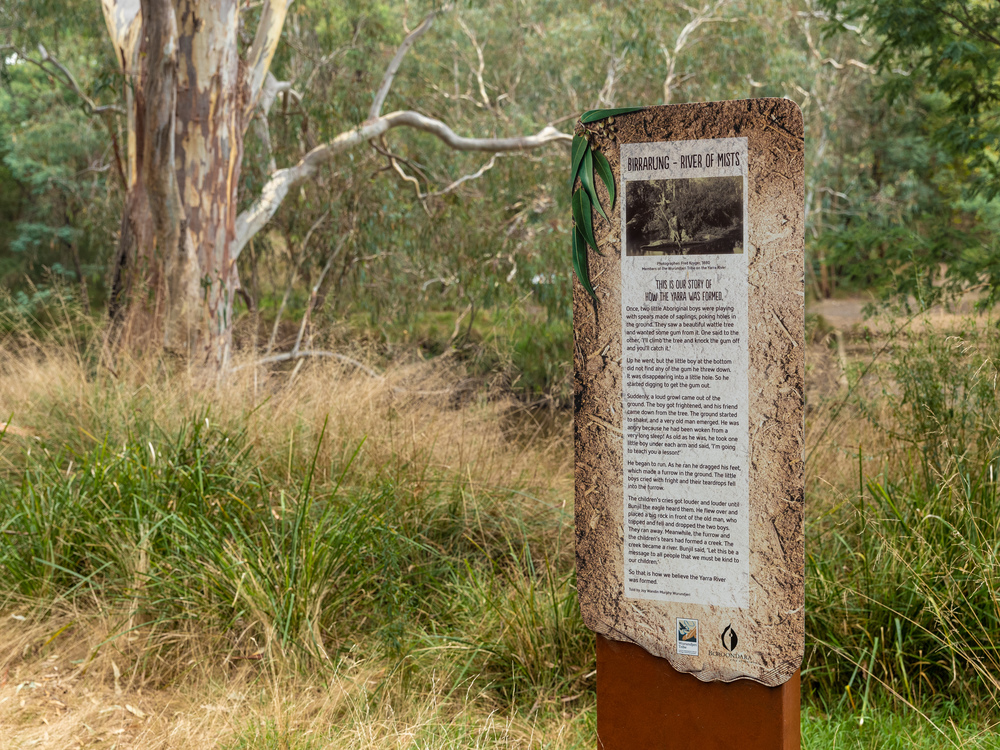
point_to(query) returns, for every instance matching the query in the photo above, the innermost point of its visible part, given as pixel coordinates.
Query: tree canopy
(939, 69)
(900, 99)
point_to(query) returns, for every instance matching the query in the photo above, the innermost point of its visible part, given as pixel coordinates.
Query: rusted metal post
(645, 704)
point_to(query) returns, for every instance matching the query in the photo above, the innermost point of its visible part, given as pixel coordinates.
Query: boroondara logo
(729, 638)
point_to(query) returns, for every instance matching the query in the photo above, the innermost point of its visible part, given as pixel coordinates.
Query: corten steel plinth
(645, 704)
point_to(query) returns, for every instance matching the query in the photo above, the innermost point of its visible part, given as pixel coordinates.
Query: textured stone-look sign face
(688, 391)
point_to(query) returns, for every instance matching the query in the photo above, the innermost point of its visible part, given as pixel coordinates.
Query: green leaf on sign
(599, 114)
(587, 178)
(583, 217)
(603, 169)
(580, 147)
(580, 262)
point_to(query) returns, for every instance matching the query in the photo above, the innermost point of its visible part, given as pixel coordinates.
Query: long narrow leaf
(587, 178)
(580, 147)
(599, 114)
(584, 218)
(580, 263)
(603, 169)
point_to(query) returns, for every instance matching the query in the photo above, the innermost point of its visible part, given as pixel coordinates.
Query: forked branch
(397, 60)
(707, 14)
(272, 20)
(253, 219)
(69, 80)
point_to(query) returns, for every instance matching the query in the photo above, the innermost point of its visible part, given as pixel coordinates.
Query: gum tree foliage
(397, 239)
(56, 170)
(488, 71)
(58, 180)
(953, 47)
(195, 89)
(939, 65)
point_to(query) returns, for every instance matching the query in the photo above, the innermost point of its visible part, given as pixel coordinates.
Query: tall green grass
(335, 521)
(904, 572)
(193, 528)
(186, 528)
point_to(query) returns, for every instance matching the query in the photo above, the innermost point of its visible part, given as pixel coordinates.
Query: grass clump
(889, 729)
(904, 569)
(187, 528)
(327, 558)
(348, 520)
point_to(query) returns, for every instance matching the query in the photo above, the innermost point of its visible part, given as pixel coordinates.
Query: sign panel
(689, 372)
(685, 376)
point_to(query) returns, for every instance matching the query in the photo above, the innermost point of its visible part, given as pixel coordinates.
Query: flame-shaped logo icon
(729, 638)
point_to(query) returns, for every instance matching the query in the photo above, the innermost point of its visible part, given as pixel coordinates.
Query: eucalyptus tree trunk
(190, 99)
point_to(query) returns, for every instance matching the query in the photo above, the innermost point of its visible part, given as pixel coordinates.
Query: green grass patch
(889, 729)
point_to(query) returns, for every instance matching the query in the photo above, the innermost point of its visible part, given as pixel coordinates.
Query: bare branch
(606, 96)
(824, 16)
(412, 180)
(437, 128)
(840, 66)
(90, 107)
(396, 162)
(253, 219)
(67, 78)
(460, 97)
(465, 178)
(454, 185)
(384, 150)
(699, 18)
(482, 64)
(397, 60)
(272, 20)
(314, 293)
(806, 96)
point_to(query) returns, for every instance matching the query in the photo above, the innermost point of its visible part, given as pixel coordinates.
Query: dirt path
(848, 313)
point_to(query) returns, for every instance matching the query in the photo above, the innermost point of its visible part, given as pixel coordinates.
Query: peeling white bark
(254, 218)
(124, 21)
(272, 20)
(189, 101)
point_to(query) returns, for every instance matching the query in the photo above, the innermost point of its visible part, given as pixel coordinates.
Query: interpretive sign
(689, 373)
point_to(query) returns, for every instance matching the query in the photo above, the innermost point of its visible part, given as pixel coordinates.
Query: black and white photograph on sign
(695, 216)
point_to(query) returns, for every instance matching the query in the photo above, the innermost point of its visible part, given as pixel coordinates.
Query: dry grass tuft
(65, 685)
(417, 419)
